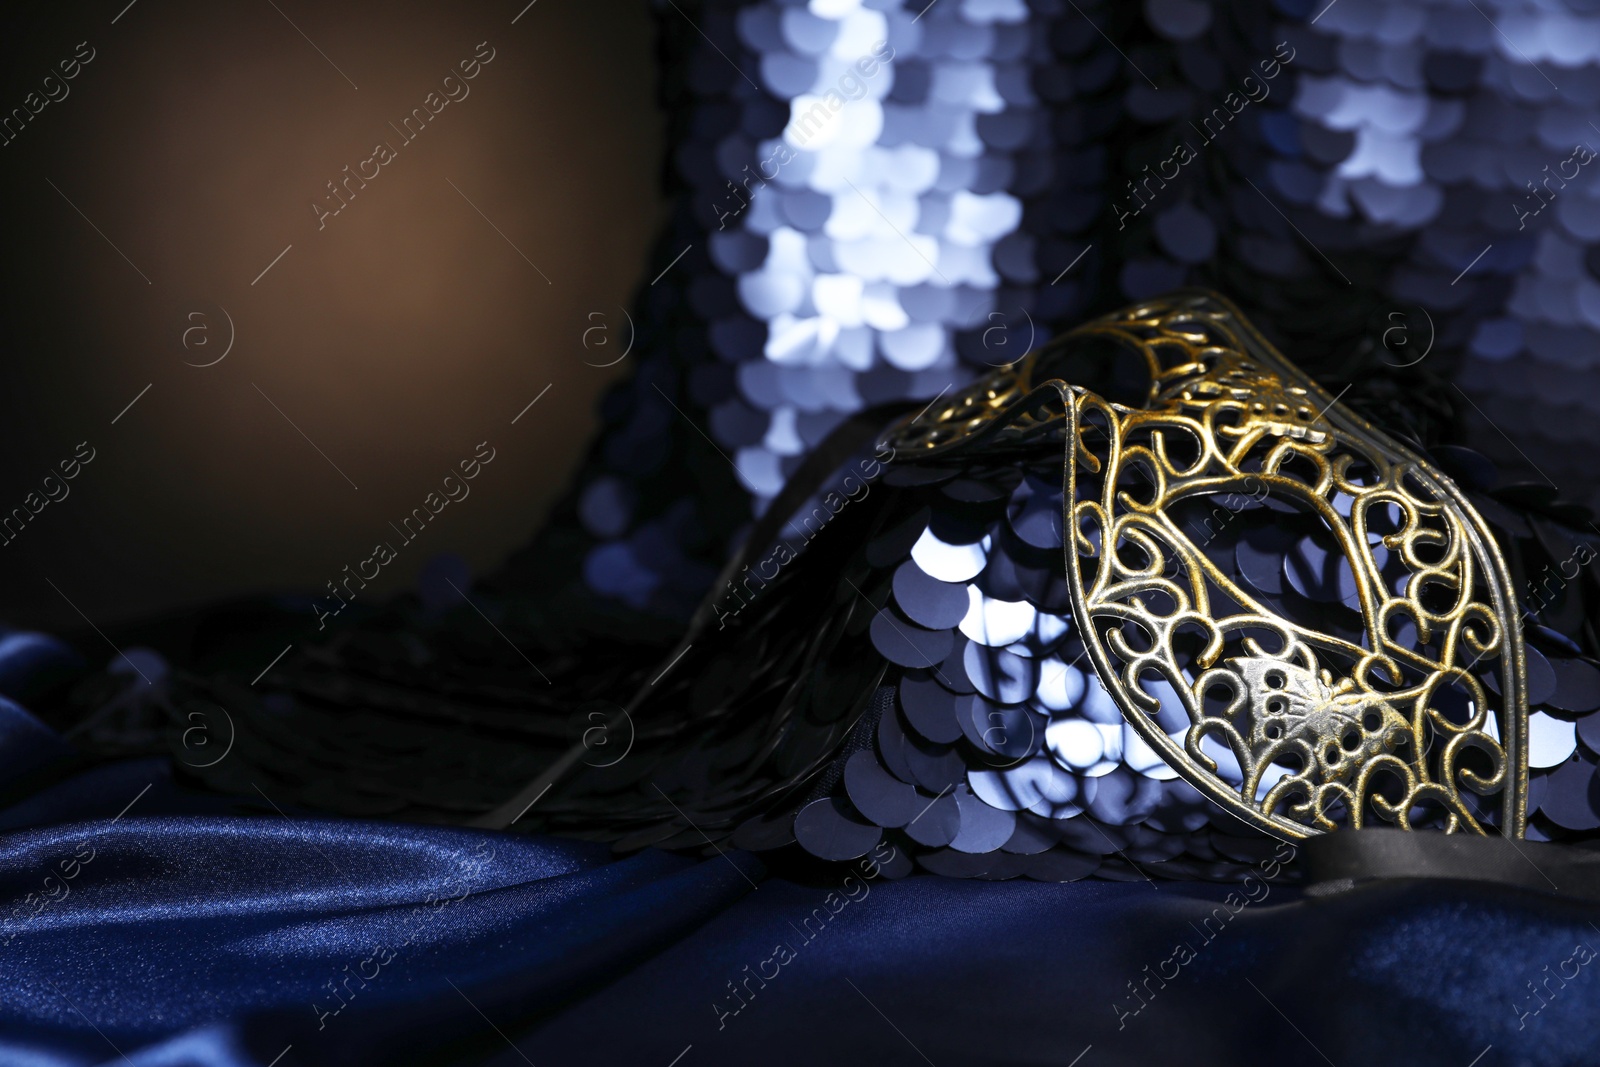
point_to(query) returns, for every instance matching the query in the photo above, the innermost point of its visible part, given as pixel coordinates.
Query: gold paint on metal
(1325, 731)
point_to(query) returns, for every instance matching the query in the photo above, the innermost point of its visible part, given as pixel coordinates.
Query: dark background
(397, 338)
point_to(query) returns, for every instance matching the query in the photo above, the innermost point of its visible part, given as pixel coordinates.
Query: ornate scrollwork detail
(1297, 724)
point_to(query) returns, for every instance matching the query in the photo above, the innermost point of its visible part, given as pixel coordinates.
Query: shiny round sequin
(983, 828)
(903, 642)
(946, 562)
(1000, 675)
(1008, 733)
(877, 795)
(830, 829)
(1577, 685)
(996, 623)
(1550, 740)
(937, 823)
(930, 708)
(1572, 796)
(927, 601)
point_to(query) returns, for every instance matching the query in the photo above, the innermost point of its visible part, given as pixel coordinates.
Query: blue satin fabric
(177, 928)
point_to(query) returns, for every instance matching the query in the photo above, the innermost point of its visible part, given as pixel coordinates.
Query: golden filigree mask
(1409, 708)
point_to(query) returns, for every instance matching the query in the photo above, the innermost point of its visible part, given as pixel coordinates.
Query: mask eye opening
(1106, 365)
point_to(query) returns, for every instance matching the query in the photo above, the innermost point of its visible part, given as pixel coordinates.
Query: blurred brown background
(396, 338)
